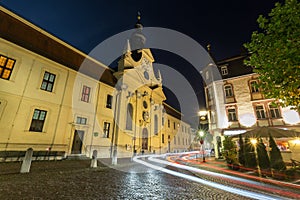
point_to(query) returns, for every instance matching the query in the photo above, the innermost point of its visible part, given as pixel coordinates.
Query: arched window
(231, 113)
(155, 125)
(228, 90)
(253, 86)
(129, 117)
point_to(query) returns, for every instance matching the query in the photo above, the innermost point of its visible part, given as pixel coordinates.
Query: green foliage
(275, 156)
(262, 154)
(230, 153)
(228, 144)
(241, 152)
(274, 53)
(250, 160)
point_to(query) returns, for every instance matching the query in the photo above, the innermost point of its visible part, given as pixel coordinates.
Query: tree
(241, 151)
(274, 53)
(263, 158)
(250, 160)
(230, 153)
(275, 156)
(228, 144)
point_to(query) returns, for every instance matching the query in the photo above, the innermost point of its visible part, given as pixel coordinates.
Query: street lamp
(203, 122)
(201, 133)
(254, 143)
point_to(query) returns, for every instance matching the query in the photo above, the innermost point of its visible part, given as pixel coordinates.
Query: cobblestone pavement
(73, 179)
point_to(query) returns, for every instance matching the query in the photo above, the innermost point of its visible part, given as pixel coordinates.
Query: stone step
(77, 157)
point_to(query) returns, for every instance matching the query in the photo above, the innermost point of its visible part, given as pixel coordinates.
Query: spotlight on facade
(291, 117)
(247, 120)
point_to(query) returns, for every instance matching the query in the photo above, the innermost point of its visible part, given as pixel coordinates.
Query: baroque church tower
(139, 100)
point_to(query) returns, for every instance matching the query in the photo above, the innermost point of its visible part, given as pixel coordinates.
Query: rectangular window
(38, 120)
(85, 95)
(228, 91)
(174, 125)
(275, 112)
(48, 81)
(254, 88)
(162, 121)
(232, 115)
(6, 67)
(163, 138)
(106, 128)
(168, 123)
(109, 101)
(260, 112)
(224, 70)
(81, 120)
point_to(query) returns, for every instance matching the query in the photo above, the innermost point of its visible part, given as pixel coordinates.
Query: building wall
(244, 101)
(22, 94)
(179, 134)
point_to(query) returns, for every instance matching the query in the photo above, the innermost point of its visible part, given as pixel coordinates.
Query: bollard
(94, 159)
(114, 160)
(25, 168)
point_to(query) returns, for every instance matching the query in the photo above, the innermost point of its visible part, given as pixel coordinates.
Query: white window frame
(260, 112)
(228, 90)
(224, 70)
(274, 111)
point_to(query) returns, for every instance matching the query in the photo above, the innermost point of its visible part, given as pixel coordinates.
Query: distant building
(236, 104)
(54, 97)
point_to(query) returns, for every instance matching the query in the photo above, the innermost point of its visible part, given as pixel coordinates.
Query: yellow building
(52, 99)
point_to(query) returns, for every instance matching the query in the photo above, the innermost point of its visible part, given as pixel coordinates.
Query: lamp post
(254, 143)
(203, 126)
(201, 133)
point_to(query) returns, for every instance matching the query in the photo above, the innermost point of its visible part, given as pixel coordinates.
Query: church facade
(49, 103)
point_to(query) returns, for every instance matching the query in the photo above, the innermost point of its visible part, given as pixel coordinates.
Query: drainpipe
(94, 122)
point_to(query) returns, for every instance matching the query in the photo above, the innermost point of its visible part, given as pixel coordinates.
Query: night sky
(226, 25)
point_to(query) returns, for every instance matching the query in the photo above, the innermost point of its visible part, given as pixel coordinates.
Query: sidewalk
(220, 166)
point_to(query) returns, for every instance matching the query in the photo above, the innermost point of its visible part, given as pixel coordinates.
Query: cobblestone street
(73, 179)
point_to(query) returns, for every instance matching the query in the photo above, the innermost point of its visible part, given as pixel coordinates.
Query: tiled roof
(235, 66)
(171, 111)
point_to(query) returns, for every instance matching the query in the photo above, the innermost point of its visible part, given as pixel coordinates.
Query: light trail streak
(276, 182)
(198, 180)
